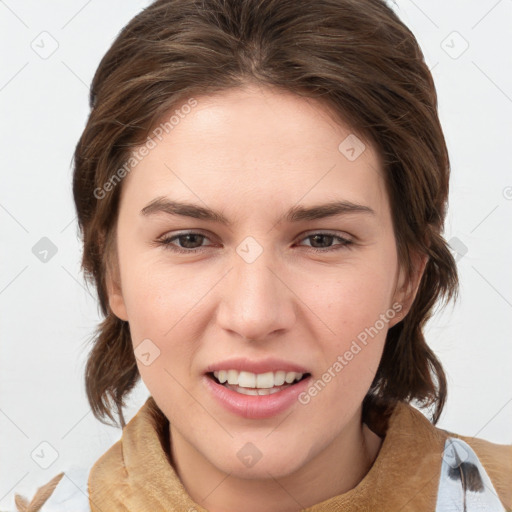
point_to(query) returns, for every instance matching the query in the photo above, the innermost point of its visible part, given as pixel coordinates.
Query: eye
(322, 242)
(191, 242)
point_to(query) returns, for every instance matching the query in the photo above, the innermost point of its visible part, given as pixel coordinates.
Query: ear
(115, 293)
(407, 289)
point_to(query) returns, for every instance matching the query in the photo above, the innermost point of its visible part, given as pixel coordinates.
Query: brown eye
(192, 242)
(323, 242)
(189, 241)
(186, 242)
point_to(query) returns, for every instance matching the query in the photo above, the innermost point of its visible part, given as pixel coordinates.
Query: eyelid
(299, 237)
(167, 240)
(327, 232)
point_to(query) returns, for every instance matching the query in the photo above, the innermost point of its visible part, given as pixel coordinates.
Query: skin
(291, 302)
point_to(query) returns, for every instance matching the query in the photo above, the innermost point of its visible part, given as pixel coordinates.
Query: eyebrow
(294, 214)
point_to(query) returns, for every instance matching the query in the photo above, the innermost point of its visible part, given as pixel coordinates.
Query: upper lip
(256, 366)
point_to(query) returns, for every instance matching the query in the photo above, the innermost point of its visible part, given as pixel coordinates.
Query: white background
(47, 313)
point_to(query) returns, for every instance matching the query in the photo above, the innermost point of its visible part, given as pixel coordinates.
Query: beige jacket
(419, 468)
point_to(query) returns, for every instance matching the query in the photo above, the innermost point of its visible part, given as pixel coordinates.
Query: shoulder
(481, 468)
(472, 474)
(65, 492)
(497, 460)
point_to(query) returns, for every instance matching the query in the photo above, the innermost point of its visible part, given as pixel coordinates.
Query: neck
(336, 469)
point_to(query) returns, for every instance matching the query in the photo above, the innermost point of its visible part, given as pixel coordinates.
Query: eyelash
(166, 242)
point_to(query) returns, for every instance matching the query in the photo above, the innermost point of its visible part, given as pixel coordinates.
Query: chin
(251, 463)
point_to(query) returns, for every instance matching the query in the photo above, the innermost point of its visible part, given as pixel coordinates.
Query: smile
(267, 380)
(256, 395)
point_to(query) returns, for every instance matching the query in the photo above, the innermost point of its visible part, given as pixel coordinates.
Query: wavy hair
(356, 57)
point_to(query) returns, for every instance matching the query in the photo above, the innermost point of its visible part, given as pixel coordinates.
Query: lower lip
(256, 406)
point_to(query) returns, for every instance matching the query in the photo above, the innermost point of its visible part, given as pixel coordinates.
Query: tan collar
(136, 473)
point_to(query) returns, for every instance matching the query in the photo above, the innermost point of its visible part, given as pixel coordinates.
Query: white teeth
(279, 378)
(264, 381)
(290, 377)
(247, 380)
(232, 377)
(261, 392)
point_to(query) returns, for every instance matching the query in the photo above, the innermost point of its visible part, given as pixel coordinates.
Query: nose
(257, 302)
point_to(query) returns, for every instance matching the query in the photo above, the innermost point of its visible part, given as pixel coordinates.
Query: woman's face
(273, 281)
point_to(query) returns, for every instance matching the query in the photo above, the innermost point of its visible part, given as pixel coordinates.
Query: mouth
(256, 389)
(257, 384)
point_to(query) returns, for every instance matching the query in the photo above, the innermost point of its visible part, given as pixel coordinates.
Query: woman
(261, 188)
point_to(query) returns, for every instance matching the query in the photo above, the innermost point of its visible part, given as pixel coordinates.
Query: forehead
(254, 143)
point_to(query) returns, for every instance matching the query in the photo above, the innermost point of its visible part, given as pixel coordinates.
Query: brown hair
(356, 57)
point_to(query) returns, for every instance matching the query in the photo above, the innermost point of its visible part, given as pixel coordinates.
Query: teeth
(256, 380)
(261, 392)
(247, 380)
(232, 377)
(279, 378)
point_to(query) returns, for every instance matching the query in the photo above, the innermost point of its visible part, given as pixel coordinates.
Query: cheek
(156, 294)
(358, 312)
(163, 308)
(165, 305)
(352, 299)
(357, 307)
(349, 298)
